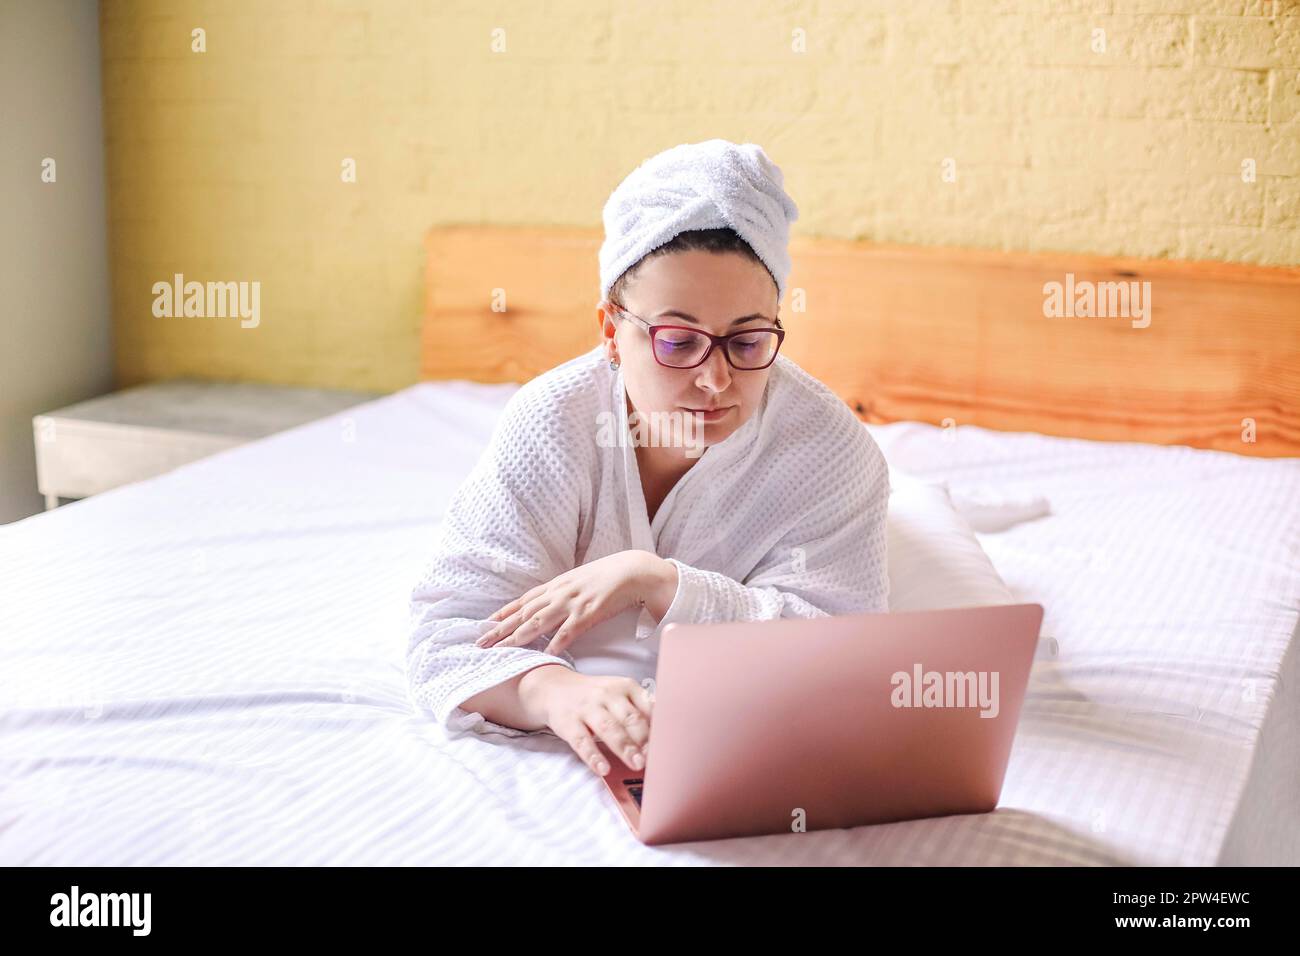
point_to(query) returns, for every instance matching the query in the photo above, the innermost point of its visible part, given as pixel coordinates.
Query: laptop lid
(802, 724)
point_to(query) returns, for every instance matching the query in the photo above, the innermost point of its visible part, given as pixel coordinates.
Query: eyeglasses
(680, 346)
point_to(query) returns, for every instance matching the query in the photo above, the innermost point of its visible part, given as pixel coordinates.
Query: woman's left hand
(580, 599)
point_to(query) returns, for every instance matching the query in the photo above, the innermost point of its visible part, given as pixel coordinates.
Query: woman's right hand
(582, 708)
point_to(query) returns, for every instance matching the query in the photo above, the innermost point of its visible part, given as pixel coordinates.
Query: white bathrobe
(784, 518)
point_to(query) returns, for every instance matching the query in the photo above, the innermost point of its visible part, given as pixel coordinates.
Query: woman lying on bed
(680, 471)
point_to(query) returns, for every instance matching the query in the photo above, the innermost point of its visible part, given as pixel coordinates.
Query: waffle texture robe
(784, 518)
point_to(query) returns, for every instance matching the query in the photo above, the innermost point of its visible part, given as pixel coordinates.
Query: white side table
(144, 431)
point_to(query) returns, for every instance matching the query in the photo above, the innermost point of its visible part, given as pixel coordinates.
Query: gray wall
(55, 323)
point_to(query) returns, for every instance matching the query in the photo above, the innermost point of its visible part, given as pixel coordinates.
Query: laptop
(791, 725)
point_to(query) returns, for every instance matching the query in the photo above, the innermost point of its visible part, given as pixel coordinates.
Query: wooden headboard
(943, 336)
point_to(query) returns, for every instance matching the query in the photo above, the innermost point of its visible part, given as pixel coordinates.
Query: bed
(206, 668)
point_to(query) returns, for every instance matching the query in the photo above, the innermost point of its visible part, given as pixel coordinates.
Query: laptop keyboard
(634, 786)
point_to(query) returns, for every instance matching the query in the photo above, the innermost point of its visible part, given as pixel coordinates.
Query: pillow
(935, 560)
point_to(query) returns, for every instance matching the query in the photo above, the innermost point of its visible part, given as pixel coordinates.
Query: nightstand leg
(51, 502)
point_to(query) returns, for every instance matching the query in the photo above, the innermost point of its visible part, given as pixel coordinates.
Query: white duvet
(207, 667)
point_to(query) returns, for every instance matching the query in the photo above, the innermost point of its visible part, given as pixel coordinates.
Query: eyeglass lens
(683, 348)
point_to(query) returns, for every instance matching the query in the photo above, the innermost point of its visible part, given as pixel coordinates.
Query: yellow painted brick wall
(226, 165)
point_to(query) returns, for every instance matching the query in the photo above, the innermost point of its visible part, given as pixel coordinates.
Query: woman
(572, 544)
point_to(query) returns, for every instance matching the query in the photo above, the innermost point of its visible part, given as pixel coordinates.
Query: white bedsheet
(206, 668)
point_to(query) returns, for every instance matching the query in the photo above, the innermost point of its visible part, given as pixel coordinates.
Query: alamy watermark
(217, 300)
(660, 429)
(102, 909)
(1087, 299)
(922, 688)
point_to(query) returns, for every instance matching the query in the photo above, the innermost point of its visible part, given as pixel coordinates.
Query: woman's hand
(580, 599)
(585, 710)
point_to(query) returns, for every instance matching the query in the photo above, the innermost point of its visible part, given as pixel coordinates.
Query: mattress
(206, 668)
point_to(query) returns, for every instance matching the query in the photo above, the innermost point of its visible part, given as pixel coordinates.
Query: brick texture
(1092, 126)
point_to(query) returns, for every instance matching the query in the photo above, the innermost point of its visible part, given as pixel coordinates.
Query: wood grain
(928, 334)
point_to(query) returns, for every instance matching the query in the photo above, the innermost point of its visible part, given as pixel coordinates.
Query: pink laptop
(794, 724)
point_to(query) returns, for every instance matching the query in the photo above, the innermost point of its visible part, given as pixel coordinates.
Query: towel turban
(708, 185)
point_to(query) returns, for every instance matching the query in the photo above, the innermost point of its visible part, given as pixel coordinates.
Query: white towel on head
(706, 185)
